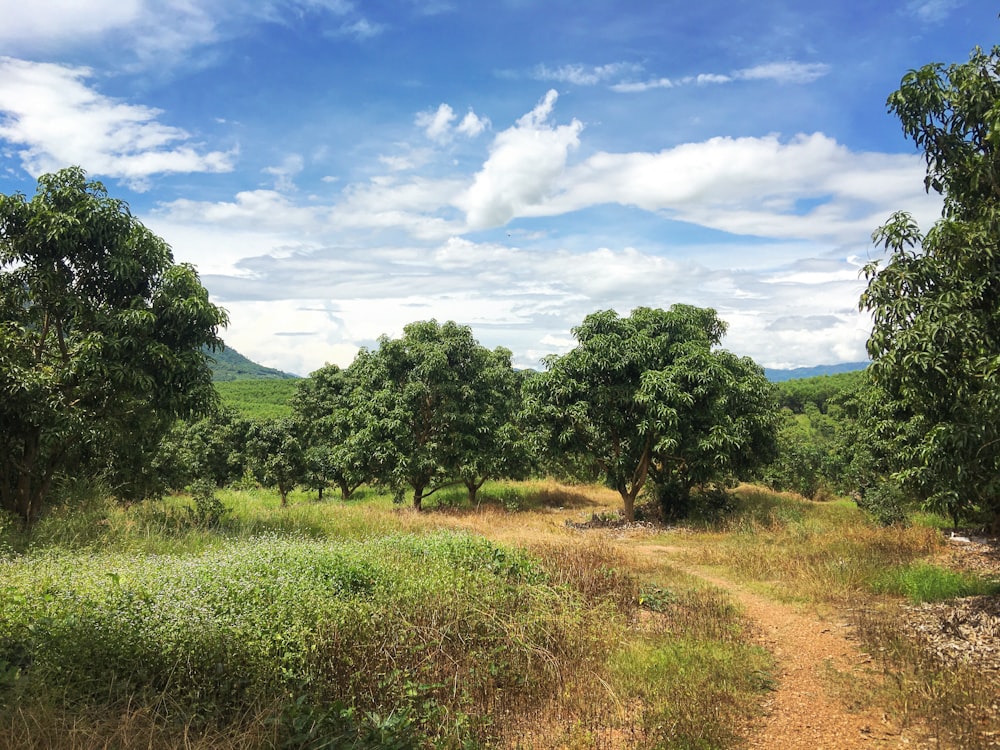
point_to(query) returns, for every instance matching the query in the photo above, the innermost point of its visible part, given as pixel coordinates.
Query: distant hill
(779, 376)
(229, 364)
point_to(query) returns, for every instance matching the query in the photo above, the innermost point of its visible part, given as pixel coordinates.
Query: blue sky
(337, 169)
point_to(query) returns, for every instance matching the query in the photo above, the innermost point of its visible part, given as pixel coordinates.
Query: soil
(804, 713)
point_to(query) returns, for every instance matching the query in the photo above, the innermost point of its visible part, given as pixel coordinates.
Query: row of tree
(102, 343)
(642, 400)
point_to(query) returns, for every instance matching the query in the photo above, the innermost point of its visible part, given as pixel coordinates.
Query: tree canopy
(650, 396)
(935, 304)
(101, 338)
(427, 405)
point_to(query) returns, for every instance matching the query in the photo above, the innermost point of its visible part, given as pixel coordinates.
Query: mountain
(778, 376)
(229, 364)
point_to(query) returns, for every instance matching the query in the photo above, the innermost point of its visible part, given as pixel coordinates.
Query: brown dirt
(803, 713)
(813, 652)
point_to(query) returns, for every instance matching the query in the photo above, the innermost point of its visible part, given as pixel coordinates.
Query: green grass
(361, 623)
(430, 629)
(258, 399)
(922, 582)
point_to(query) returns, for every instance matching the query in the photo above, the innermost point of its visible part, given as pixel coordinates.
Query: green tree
(101, 338)
(275, 455)
(935, 304)
(424, 406)
(324, 405)
(650, 396)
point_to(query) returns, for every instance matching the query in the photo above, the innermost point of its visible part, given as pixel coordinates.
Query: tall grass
(361, 623)
(440, 631)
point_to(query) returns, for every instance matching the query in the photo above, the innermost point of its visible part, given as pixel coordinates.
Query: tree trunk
(345, 489)
(320, 498)
(473, 487)
(418, 496)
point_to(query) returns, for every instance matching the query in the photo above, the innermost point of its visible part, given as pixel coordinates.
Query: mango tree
(101, 339)
(649, 396)
(324, 408)
(935, 304)
(426, 404)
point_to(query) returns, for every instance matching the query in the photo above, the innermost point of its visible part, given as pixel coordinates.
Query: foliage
(207, 510)
(324, 405)
(212, 448)
(101, 339)
(259, 398)
(429, 407)
(821, 390)
(649, 397)
(275, 455)
(935, 343)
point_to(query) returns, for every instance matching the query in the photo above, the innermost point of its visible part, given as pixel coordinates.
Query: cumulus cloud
(437, 124)
(472, 124)
(524, 165)
(284, 173)
(752, 186)
(55, 119)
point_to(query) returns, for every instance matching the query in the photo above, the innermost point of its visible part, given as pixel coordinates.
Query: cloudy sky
(336, 169)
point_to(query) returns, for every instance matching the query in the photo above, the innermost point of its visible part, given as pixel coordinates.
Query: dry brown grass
(38, 726)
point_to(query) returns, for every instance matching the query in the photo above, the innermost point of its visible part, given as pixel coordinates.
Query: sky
(336, 169)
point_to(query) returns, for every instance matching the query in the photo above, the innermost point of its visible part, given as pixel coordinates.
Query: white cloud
(932, 11)
(56, 120)
(752, 186)
(472, 124)
(524, 165)
(784, 72)
(285, 172)
(62, 20)
(584, 75)
(360, 29)
(159, 33)
(780, 72)
(639, 87)
(437, 124)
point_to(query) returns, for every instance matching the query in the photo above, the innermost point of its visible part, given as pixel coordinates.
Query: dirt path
(802, 714)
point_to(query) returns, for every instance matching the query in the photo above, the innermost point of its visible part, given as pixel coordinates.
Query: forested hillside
(228, 364)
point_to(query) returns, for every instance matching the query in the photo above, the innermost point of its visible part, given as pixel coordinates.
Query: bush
(885, 503)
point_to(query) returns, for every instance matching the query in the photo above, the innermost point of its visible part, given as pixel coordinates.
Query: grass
(370, 622)
(923, 582)
(258, 398)
(361, 621)
(829, 556)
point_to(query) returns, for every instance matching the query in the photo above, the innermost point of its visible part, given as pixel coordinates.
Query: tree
(500, 449)
(324, 407)
(275, 455)
(935, 305)
(424, 406)
(101, 338)
(649, 396)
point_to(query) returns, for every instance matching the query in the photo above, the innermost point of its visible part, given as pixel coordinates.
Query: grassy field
(364, 624)
(258, 398)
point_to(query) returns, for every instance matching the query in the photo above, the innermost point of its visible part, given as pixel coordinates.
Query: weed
(921, 582)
